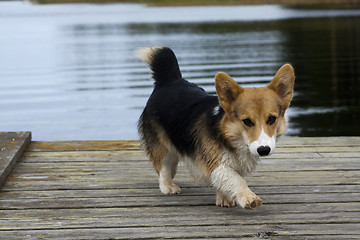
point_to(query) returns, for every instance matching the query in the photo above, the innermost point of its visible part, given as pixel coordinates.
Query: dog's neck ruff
(240, 159)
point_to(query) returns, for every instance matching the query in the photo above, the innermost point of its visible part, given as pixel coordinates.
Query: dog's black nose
(264, 150)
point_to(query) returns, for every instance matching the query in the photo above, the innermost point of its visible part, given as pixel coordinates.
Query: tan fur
(256, 104)
(283, 84)
(227, 90)
(208, 152)
(164, 158)
(157, 150)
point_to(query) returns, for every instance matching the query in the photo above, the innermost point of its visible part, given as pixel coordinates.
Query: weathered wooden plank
(127, 178)
(69, 168)
(313, 237)
(341, 155)
(84, 185)
(186, 219)
(319, 141)
(179, 231)
(145, 181)
(162, 211)
(12, 145)
(160, 200)
(135, 155)
(145, 192)
(121, 145)
(62, 146)
(125, 155)
(272, 178)
(125, 217)
(316, 149)
(80, 156)
(98, 150)
(141, 232)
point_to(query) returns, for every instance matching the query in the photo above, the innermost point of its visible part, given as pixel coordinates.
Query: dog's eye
(248, 122)
(271, 120)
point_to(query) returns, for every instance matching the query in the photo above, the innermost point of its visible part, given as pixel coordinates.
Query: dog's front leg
(229, 182)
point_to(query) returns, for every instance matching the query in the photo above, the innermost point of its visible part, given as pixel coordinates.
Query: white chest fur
(241, 160)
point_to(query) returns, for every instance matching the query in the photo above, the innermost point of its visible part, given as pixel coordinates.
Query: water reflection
(324, 52)
(326, 55)
(84, 78)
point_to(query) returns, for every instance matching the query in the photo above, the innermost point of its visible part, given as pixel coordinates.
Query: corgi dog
(221, 138)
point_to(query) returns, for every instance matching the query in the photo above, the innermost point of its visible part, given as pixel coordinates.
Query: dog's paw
(223, 201)
(249, 200)
(170, 188)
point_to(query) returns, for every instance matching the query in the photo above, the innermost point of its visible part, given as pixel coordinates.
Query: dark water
(69, 72)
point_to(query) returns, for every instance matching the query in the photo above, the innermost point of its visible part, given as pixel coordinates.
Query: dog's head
(255, 116)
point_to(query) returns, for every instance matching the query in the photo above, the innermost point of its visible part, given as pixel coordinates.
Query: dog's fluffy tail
(162, 62)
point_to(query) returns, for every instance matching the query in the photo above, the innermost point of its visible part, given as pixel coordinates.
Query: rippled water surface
(68, 72)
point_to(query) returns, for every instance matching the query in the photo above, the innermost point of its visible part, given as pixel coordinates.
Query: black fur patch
(177, 105)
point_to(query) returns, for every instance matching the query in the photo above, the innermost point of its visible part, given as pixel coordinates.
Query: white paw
(249, 200)
(170, 188)
(223, 201)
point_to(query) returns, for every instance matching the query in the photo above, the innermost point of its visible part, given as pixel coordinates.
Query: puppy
(219, 137)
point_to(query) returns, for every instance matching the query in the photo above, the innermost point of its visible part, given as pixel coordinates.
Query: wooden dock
(108, 190)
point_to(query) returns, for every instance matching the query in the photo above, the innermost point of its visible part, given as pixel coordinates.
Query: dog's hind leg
(163, 157)
(167, 173)
(165, 163)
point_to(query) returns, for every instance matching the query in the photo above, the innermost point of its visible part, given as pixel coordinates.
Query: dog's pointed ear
(283, 84)
(227, 89)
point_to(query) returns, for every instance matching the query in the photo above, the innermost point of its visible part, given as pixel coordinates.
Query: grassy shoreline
(304, 3)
